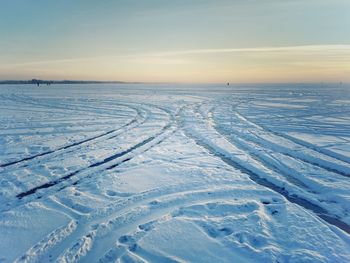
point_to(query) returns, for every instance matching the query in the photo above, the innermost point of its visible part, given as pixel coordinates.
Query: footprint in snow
(147, 226)
(215, 232)
(112, 193)
(154, 203)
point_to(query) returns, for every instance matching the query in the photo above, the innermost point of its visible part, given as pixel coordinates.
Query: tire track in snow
(245, 140)
(269, 159)
(315, 148)
(240, 163)
(255, 152)
(64, 107)
(324, 161)
(138, 119)
(111, 235)
(300, 142)
(84, 243)
(117, 224)
(70, 106)
(51, 246)
(315, 158)
(78, 143)
(107, 163)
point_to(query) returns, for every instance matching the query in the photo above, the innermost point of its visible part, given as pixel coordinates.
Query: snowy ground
(175, 173)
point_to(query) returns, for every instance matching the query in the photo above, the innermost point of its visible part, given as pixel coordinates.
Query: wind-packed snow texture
(175, 173)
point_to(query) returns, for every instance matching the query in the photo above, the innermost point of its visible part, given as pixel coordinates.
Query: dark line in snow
(319, 211)
(65, 147)
(324, 164)
(106, 160)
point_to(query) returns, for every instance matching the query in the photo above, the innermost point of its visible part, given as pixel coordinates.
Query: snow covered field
(175, 173)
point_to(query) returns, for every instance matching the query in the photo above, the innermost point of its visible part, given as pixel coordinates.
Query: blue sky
(176, 41)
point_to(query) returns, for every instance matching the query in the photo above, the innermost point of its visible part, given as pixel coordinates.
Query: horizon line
(80, 81)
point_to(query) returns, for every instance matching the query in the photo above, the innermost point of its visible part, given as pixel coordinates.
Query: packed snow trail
(167, 173)
(207, 137)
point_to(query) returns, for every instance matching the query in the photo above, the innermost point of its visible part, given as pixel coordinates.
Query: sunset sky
(176, 41)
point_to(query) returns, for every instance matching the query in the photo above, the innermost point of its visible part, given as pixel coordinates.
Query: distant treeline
(49, 82)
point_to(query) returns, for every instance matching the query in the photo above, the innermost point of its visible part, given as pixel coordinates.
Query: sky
(189, 41)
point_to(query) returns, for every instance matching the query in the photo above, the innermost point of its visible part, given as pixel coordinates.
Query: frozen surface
(175, 173)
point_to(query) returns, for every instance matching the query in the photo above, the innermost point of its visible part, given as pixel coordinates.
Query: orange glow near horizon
(328, 63)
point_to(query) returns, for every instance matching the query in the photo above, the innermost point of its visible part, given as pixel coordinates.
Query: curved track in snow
(108, 162)
(169, 175)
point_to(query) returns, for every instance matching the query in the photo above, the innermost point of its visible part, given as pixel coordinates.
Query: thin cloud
(324, 49)
(307, 48)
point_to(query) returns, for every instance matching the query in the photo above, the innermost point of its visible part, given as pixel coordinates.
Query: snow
(174, 173)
